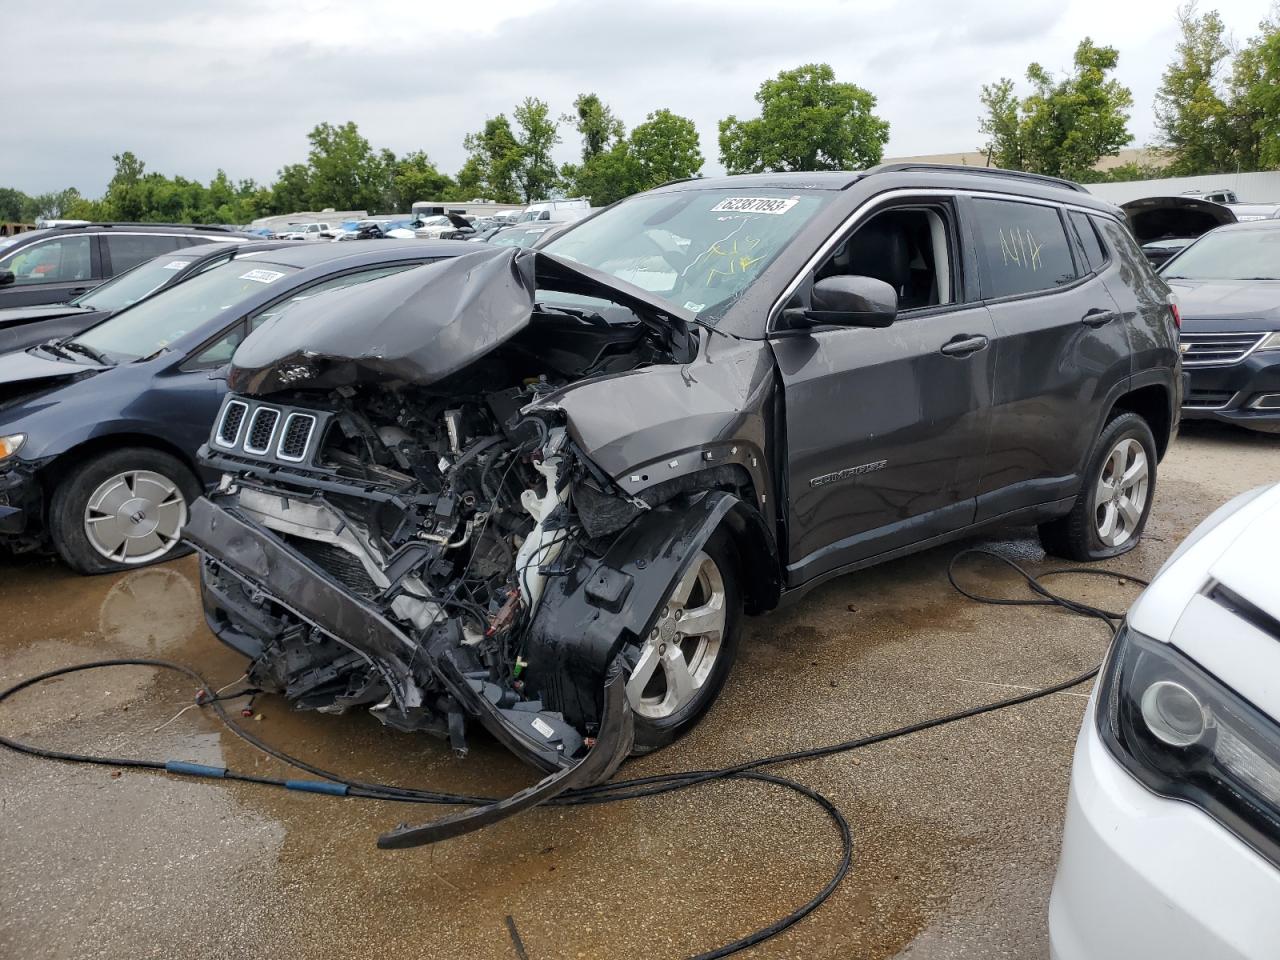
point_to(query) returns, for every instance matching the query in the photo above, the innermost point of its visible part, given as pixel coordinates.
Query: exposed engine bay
(437, 550)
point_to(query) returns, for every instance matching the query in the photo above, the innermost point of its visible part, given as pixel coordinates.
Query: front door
(886, 428)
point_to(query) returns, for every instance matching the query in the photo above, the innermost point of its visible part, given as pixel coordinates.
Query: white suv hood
(1238, 548)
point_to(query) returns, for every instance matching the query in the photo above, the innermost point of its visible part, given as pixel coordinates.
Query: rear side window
(60, 260)
(127, 250)
(1024, 247)
(1094, 255)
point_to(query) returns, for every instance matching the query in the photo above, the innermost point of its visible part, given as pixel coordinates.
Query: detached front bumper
(233, 547)
(21, 507)
(1246, 394)
(1144, 876)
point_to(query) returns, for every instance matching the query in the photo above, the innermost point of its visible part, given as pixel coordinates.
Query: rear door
(52, 270)
(886, 428)
(1062, 351)
(124, 251)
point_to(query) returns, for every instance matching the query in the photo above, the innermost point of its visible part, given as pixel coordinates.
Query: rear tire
(1115, 497)
(122, 510)
(682, 667)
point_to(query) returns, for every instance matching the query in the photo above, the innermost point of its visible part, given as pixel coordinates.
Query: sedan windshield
(157, 322)
(699, 249)
(1250, 254)
(129, 288)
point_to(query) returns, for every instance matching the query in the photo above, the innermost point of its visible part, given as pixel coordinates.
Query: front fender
(587, 616)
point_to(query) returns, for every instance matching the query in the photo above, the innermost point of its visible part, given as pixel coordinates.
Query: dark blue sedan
(98, 432)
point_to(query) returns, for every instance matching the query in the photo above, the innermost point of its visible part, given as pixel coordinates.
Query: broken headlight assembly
(1185, 735)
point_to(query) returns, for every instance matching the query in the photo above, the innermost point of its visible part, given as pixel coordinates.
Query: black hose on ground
(332, 783)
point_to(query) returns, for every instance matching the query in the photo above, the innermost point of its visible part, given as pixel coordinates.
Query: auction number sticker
(262, 276)
(774, 205)
(176, 264)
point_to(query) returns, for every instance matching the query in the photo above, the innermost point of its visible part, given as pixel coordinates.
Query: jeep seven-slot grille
(261, 428)
(232, 421)
(295, 436)
(1217, 349)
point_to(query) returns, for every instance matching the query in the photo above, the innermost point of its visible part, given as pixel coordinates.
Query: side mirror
(847, 301)
(7, 277)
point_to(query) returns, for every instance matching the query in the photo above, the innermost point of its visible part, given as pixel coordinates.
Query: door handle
(962, 345)
(1097, 317)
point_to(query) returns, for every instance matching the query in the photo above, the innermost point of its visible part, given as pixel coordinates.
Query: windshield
(1230, 255)
(154, 324)
(699, 249)
(132, 286)
(518, 238)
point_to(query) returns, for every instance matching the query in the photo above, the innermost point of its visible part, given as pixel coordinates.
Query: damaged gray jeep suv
(538, 489)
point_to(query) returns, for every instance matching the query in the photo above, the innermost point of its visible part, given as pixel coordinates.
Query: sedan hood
(17, 316)
(1204, 303)
(25, 373)
(1153, 218)
(422, 325)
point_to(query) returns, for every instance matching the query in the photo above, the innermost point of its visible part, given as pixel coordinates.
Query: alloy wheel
(1121, 493)
(680, 651)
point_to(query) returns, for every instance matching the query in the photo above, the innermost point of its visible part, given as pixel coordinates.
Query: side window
(908, 247)
(282, 307)
(60, 260)
(1094, 254)
(128, 250)
(1023, 246)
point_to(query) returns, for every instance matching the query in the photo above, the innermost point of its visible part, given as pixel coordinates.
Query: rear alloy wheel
(684, 660)
(1114, 502)
(122, 510)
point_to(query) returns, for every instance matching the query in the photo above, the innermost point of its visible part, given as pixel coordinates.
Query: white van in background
(574, 208)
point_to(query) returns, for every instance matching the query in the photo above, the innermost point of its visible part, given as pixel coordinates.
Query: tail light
(1174, 311)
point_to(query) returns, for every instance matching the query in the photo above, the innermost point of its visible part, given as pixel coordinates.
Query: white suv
(1172, 840)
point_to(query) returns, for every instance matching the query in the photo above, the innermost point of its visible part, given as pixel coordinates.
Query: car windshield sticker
(262, 276)
(773, 205)
(176, 264)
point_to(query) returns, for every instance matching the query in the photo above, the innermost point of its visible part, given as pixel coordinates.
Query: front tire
(122, 510)
(1115, 499)
(684, 661)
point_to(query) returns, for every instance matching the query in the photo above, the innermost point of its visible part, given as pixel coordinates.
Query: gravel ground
(956, 829)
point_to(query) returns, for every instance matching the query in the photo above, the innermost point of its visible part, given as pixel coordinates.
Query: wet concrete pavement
(956, 830)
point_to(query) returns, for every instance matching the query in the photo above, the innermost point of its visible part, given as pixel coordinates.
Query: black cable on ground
(335, 784)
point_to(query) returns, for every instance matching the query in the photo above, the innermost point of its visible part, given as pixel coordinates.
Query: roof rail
(984, 171)
(100, 224)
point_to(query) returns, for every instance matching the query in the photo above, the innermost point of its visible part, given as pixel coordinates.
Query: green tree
(538, 134)
(807, 121)
(494, 160)
(1001, 124)
(346, 173)
(1255, 100)
(291, 192)
(13, 205)
(414, 177)
(1064, 126)
(52, 206)
(665, 147)
(125, 197)
(1192, 117)
(595, 123)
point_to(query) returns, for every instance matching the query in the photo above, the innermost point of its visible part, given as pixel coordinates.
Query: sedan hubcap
(681, 650)
(1121, 494)
(135, 517)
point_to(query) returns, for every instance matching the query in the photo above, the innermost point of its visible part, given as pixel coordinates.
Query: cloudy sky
(190, 87)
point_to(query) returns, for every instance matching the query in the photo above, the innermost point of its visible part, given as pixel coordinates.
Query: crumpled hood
(1203, 303)
(418, 326)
